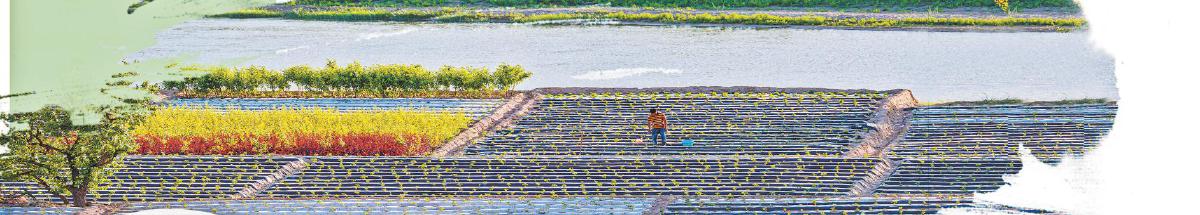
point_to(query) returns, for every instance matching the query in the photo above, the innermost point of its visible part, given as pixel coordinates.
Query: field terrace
(363, 177)
(572, 150)
(1050, 132)
(962, 150)
(414, 206)
(309, 126)
(177, 178)
(722, 121)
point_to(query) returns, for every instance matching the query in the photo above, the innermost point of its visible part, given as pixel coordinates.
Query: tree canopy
(68, 160)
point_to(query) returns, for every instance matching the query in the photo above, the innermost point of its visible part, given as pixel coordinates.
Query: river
(937, 66)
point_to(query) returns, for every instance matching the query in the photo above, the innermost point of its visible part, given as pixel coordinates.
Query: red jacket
(658, 120)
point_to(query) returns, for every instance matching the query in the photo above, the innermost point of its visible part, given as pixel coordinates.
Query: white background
(1147, 165)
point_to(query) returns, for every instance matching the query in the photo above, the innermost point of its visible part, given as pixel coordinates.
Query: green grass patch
(343, 14)
(1085, 101)
(548, 17)
(1005, 21)
(250, 13)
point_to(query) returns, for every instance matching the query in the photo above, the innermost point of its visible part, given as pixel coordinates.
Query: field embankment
(928, 19)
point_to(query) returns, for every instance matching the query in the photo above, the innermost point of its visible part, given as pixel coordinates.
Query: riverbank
(962, 19)
(1012, 101)
(841, 5)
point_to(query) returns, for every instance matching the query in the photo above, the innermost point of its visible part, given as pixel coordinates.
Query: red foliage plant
(293, 144)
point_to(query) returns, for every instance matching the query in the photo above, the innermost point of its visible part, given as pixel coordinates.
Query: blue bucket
(688, 142)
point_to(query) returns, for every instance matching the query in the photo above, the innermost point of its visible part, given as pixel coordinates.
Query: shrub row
(354, 77)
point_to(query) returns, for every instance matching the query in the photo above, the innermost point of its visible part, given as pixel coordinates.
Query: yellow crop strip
(183, 122)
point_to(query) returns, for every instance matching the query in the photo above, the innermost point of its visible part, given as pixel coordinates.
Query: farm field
(176, 178)
(996, 131)
(728, 170)
(38, 210)
(814, 124)
(219, 110)
(577, 205)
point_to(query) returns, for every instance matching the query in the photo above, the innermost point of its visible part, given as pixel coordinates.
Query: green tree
(416, 78)
(449, 77)
(71, 159)
(508, 76)
(68, 160)
(304, 76)
(476, 79)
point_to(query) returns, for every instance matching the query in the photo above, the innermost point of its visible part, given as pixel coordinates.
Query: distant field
(840, 4)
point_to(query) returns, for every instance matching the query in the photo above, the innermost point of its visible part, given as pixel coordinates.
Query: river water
(937, 66)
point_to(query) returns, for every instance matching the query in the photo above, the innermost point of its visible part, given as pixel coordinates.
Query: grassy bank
(676, 17)
(708, 4)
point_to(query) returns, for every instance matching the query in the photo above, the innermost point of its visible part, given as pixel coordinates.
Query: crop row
(460, 15)
(574, 205)
(308, 131)
(697, 3)
(350, 79)
(386, 177)
(414, 206)
(293, 144)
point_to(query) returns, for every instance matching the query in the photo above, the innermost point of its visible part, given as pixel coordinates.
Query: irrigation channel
(937, 66)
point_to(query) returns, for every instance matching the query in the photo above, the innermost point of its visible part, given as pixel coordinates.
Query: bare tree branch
(135, 6)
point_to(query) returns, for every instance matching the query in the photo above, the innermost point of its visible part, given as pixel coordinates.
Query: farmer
(658, 126)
